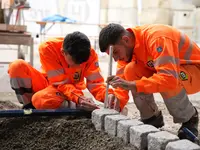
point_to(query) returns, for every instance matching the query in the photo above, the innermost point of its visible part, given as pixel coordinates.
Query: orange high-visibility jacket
(162, 49)
(70, 80)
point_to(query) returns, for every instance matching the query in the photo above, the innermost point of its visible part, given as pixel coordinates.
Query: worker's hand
(112, 102)
(116, 81)
(86, 103)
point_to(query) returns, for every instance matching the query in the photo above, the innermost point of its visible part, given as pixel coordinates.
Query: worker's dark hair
(110, 34)
(77, 45)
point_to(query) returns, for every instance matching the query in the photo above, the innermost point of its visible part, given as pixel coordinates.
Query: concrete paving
(159, 140)
(139, 135)
(182, 145)
(111, 123)
(123, 128)
(98, 117)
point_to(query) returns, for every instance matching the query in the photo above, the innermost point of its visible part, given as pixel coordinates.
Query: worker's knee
(48, 98)
(17, 67)
(135, 71)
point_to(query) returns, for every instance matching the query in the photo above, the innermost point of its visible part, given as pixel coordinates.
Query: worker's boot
(191, 125)
(156, 120)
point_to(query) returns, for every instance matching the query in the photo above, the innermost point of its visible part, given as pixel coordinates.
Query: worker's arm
(166, 62)
(94, 79)
(120, 93)
(55, 72)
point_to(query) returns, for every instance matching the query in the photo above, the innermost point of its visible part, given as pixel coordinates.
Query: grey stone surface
(123, 128)
(159, 140)
(98, 117)
(111, 122)
(182, 145)
(138, 135)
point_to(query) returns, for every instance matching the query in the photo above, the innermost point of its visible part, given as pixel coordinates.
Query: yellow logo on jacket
(150, 62)
(77, 76)
(183, 76)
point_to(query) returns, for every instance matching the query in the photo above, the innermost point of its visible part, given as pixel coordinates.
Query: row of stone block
(136, 133)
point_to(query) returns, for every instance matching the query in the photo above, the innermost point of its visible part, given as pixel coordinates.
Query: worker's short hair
(109, 35)
(77, 45)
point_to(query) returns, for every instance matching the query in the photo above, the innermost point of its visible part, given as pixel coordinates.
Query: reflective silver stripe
(90, 86)
(53, 73)
(62, 82)
(120, 71)
(188, 52)
(179, 106)
(25, 98)
(21, 82)
(181, 95)
(188, 62)
(182, 42)
(169, 72)
(94, 76)
(165, 60)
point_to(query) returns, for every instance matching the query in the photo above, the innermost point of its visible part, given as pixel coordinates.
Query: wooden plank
(15, 34)
(16, 40)
(13, 28)
(16, 28)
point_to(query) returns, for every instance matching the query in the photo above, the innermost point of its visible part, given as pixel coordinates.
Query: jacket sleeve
(55, 72)
(120, 93)
(94, 79)
(166, 62)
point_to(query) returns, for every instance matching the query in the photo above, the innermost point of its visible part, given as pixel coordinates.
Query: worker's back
(186, 49)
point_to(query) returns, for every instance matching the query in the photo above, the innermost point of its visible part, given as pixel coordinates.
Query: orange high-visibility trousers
(176, 101)
(31, 85)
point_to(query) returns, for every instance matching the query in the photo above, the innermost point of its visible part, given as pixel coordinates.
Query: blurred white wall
(181, 14)
(86, 11)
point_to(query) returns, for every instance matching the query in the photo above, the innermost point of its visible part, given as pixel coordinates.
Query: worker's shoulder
(93, 52)
(93, 56)
(155, 31)
(51, 46)
(53, 41)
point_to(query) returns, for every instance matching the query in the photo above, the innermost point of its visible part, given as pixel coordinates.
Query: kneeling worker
(65, 64)
(156, 59)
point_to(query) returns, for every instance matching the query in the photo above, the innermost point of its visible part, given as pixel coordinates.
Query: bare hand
(112, 102)
(116, 81)
(87, 103)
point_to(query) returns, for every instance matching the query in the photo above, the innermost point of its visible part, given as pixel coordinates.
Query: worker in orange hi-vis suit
(151, 59)
(65, 64)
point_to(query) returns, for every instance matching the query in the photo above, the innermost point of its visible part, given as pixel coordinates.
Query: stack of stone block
(136, 133)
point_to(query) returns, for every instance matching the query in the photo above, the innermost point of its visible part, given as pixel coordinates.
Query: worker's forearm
(70, 92)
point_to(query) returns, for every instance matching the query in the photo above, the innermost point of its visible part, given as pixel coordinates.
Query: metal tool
(44, 112)
(191, 135)
(109, 73)
(77, 95)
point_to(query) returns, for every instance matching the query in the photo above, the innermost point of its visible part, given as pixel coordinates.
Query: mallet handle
(109, 72)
